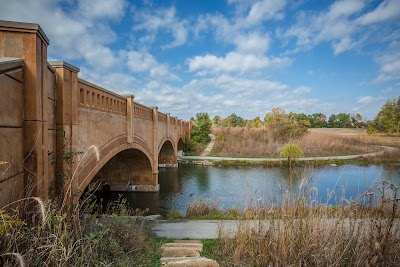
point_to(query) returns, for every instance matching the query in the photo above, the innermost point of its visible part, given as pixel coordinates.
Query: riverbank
(386, 155)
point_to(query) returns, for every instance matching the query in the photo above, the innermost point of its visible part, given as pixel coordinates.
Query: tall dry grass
(53, 238)
(299, 231)
(51, 234)
(258, 142)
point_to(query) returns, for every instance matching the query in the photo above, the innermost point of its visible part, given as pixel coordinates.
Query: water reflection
(243, 187)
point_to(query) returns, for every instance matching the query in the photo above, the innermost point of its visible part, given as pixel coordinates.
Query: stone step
(187, 241)
(180, 252)
(188, 262)
(197, 246)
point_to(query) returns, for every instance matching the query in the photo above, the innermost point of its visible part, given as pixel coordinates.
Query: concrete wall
(11, 131)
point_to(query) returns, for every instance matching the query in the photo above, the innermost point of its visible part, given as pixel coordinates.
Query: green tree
(217, 121)
(388, 118)
(201, 128)
(284, 126)
(291, 151)
(234, 120)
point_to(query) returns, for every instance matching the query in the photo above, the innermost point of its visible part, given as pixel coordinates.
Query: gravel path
(374, 154)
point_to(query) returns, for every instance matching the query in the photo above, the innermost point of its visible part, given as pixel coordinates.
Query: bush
(291, 151)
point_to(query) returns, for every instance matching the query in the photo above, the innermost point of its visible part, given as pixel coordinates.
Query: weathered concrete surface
(184, 253)
(209, 229)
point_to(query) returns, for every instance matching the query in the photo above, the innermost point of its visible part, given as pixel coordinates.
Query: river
(241, 187)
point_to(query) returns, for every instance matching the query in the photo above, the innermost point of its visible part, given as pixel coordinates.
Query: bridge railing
(162, 117)
(143, 112)
(96, 98)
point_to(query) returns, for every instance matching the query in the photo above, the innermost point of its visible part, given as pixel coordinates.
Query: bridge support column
(130, 126)
(67, 130)
(155, 147)
(28, 42)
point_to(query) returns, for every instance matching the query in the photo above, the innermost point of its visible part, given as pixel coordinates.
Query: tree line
(291, 125)
(316, 120)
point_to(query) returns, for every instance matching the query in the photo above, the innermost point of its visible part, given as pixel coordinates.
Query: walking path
(184, 253)
(374, 154)
(209, 229)
(209, 146)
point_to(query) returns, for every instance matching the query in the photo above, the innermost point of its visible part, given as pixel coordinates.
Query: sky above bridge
(223, 57)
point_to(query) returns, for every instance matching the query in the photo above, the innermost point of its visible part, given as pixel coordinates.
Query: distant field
(257, 142)
(379, 138)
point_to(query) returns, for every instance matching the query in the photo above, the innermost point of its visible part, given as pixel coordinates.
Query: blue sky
(232, 56)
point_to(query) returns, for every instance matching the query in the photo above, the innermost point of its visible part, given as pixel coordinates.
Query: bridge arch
(180, 145)
(132, 151)
(167, 153)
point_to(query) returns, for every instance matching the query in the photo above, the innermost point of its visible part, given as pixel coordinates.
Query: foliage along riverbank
(54, 236)
(299, 231)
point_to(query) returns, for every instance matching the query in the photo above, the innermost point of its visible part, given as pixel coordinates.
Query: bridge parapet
(143, 112)
(97, 98)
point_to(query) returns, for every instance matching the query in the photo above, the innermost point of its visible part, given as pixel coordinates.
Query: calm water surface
(236, 187)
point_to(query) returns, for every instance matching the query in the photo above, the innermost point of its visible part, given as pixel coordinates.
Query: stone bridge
(60, 135)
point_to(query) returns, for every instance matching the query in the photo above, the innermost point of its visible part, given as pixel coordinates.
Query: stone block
(188, 262)
(179, 252)
(11, 152)
(11, 102)
(196, 246)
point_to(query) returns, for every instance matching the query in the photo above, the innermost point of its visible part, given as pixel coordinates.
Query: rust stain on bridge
(49, 116)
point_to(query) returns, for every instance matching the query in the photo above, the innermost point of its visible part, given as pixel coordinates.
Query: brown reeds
(258, 142)
(298, 231)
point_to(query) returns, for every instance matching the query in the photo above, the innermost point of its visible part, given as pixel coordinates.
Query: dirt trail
(374, 154)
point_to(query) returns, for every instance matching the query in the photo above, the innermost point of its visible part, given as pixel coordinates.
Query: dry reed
(300, 232)
(258, 142)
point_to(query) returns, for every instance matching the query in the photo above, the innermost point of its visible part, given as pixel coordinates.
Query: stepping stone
(197, 246)
(188, 262)
(184, 253)
(179, 252)
(187, 241)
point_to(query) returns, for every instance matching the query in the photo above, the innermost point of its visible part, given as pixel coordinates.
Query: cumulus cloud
(253, 42)
(233, 62)
(142, 61)
(154, 21)
(100, 9)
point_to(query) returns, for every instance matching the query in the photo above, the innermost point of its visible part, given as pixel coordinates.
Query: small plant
(291, 151)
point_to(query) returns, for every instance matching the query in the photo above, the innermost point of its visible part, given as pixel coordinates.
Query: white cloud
(334, 25)
(233, 62)
(366, 100)
(254, 42)
(389, 66)
(265, 10)
(302, 90)
(154, 21)
(387, 10)
(141, 61)
(100, 9)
